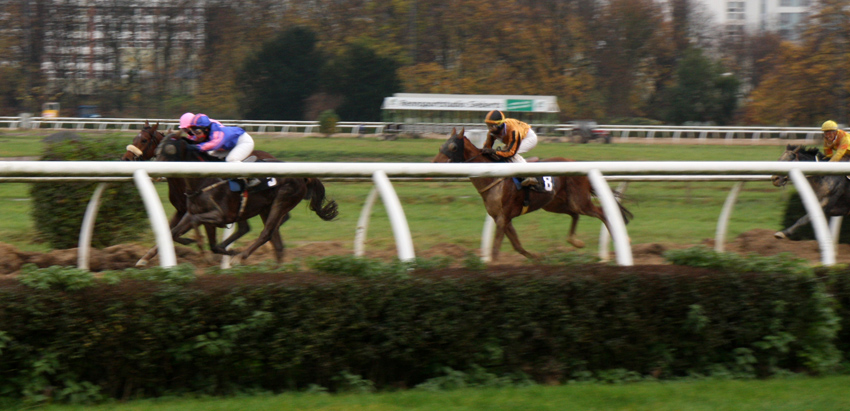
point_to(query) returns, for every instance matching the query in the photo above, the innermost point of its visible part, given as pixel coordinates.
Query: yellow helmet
(829, 125)
(494, 118)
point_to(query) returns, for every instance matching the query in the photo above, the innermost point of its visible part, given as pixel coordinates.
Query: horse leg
(278, 214)
(514, 238)
(242, 228)
(790, 230)
(573, 239)
(175, 219)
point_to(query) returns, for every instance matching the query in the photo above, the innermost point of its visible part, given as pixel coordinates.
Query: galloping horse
(832, 191)
(143, 148)
(210, 201)
(571, 195)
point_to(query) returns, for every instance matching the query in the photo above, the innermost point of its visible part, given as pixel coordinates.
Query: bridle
(138, 153)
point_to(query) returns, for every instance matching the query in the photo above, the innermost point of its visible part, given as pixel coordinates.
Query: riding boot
(253, 182)
(529, 181)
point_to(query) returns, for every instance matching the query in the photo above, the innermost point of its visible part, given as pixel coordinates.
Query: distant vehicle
(50, 110)
(87, 112)
(585, 131)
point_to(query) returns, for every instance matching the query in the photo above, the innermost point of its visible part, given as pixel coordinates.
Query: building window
(735, 10)
(794, 3)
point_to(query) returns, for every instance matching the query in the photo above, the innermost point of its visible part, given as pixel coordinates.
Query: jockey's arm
(491, 139)
(512, 141)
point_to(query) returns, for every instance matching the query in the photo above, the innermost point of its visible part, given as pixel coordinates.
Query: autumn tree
(808, 82)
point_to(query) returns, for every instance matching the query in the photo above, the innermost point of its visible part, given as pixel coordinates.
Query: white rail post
(614, 216)
(225, 259)
(84, 244)
(818, 220)
(725, 214)
(604, 235)
(156, 213)
(487, 234)
(363, 223)
(401, 231)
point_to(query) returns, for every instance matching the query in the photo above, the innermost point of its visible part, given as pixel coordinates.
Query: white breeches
(244, 147)
(529, 142)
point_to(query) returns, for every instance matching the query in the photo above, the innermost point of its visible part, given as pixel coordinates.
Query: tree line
(614, 60)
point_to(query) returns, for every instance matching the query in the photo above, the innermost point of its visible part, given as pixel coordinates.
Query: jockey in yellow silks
(835, 141)
(517, 136)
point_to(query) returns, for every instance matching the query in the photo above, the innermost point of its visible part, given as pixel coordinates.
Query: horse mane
(183, 142)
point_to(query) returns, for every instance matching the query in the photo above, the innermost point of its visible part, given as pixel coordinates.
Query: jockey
(835, 141)
(517, 136)
(231, 142)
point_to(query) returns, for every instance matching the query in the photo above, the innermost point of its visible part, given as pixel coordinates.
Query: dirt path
(125, 255)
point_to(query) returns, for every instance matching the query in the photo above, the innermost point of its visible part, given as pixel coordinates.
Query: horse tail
(618, 196)
(627, 215)
(326, 209)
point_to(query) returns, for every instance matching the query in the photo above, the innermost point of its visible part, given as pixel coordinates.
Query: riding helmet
(186, 120)
(829, 125)
(200, 120)
(494, 118)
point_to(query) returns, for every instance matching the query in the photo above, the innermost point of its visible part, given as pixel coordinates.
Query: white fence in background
(621, 132)
(379, 172)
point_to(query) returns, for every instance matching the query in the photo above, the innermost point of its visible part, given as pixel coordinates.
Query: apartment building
(740, 16)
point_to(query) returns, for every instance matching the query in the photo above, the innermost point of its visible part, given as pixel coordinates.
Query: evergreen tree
(363, 79)
(278, 79)
(703, 91)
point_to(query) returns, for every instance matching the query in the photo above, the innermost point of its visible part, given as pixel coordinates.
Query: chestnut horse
(210, 201)
(832, 191)
(571, 195)
(143, 148)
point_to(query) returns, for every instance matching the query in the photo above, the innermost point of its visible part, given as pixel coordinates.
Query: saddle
(251, 185)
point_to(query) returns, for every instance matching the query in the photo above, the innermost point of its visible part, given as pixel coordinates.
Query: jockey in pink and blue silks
(233, 143)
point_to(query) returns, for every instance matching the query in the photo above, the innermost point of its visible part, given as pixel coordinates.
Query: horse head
(795, 153)
(144, 144)
(457, 149)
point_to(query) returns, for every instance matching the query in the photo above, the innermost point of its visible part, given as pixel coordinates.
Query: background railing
(620, 132)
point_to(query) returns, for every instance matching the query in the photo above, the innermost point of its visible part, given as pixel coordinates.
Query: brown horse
(143, 148)
(832, 191)
(210, 201)
(571, 195)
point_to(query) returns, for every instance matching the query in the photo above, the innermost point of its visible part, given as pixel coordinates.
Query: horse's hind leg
(277, 216)
(573, 239)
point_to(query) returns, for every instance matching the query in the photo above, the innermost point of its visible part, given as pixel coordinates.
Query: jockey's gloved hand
(489, 152)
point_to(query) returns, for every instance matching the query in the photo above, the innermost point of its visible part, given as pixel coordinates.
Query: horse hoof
(142, 263)
(236, 260)
(577, 243)
(779, 234)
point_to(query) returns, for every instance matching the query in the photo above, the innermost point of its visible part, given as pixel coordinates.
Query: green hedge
(150, 333)
(58, 208)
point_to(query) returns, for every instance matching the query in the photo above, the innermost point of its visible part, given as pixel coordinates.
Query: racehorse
(210, 201)
(832, 191)
(143, 148)
(571, 195)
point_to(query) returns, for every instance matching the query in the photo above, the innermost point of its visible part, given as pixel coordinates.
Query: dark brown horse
(143, 148)
(832, 191)
(210, 201)
(571, 195)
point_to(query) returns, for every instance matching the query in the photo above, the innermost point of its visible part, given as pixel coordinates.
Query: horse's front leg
(510, 232)
(175, 219)
(790, 230)
(242, 228)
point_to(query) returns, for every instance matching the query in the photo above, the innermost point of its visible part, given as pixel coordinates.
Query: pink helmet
(186, 120)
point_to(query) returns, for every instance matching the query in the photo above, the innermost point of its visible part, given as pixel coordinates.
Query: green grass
(828, 393)
(453, 213)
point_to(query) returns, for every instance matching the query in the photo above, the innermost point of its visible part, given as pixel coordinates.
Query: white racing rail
(380, 173)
